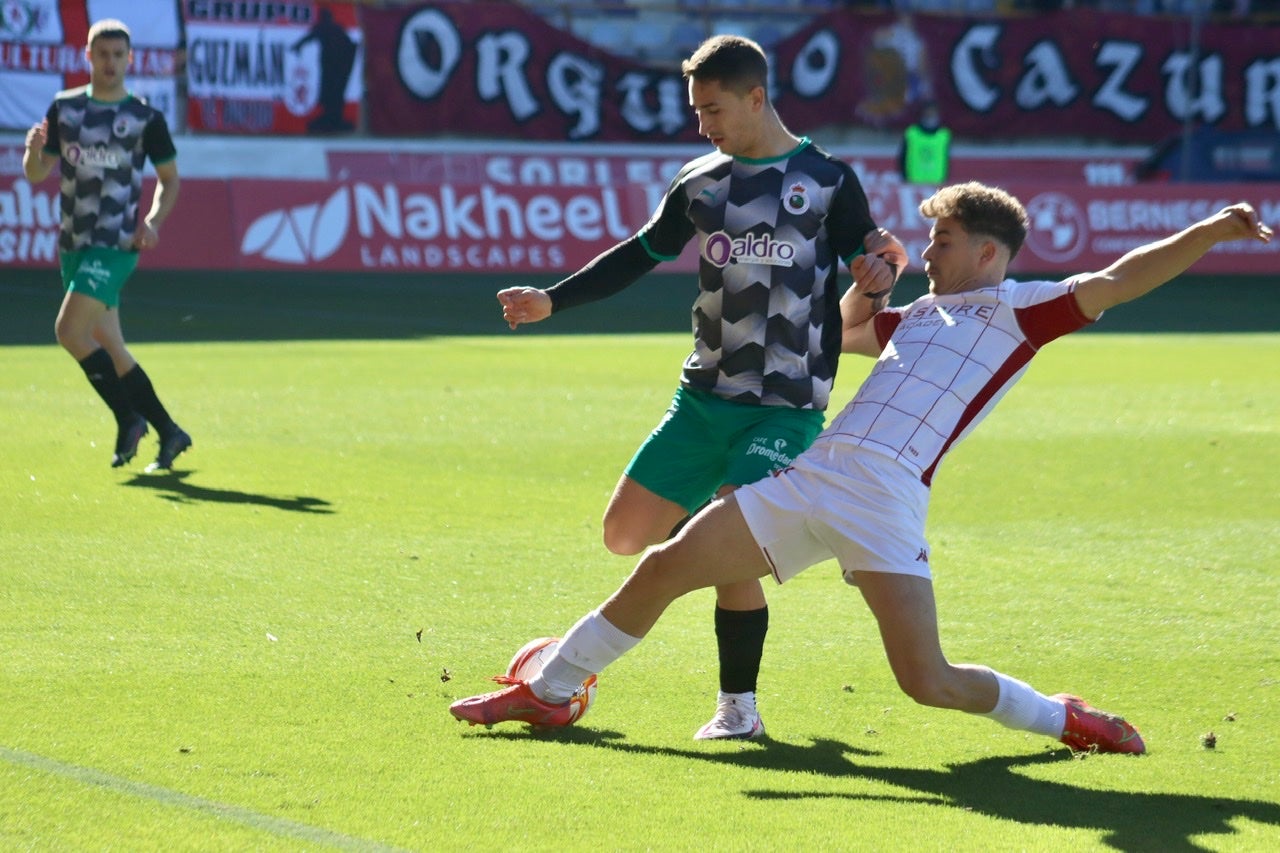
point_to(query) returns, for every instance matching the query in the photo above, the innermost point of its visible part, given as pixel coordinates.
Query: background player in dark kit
(102, 136)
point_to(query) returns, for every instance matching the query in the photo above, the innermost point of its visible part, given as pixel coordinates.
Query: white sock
(591, 645)
(1020, 706)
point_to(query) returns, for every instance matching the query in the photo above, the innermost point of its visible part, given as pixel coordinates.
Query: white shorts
(839, 501)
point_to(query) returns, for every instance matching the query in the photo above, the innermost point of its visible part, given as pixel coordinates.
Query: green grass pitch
(389, 493)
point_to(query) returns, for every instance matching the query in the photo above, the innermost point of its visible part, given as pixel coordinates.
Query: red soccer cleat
(1091, 730)
(516, 703)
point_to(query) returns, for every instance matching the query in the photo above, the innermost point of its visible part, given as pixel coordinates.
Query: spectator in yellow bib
(925, 154)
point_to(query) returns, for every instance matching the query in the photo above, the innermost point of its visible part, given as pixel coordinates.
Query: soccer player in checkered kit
(860, 493)
(775, 217)
(101, 136)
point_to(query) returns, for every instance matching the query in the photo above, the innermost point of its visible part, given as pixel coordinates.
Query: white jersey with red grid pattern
(946, 361)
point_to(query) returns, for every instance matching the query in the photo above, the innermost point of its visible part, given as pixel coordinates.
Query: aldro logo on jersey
(93, 157)
(722, 250)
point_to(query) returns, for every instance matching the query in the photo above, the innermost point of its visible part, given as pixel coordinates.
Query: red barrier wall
(552, 213)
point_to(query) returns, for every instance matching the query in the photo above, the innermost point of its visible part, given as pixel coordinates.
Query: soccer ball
(528, 662)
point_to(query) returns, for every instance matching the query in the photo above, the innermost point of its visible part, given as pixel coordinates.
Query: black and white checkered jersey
(772, 235)
(104, 147)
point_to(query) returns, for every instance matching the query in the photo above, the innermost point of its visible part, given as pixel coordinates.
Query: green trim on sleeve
(849, 260)
(644, 242)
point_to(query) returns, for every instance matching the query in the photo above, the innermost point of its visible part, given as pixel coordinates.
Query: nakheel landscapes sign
(397, 228)
(464, 210)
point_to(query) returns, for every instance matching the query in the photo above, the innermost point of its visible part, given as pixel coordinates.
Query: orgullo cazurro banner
(284, 67)
(495, 69)
(42, 52)
(1079, 72)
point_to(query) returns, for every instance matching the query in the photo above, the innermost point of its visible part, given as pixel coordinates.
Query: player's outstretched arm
(524, 305)
(1147, 267)
(610, 272)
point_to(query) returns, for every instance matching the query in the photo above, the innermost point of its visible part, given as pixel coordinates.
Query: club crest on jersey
(123, 127)
(796, 198)
(721, 250)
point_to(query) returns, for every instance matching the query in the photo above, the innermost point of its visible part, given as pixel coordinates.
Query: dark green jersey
(103, 148)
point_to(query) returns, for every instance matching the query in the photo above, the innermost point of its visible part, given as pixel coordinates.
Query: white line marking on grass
(166, 796)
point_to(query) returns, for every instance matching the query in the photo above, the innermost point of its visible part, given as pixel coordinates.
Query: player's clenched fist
(524, 305)
(38, 136)
(1243, 223)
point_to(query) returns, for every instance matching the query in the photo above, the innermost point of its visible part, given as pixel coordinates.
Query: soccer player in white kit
(860, 492)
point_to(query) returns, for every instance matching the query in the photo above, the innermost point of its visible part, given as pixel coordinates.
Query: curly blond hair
(980, 209)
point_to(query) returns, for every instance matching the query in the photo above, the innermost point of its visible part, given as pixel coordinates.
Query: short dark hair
(110, 28)
(735, 62)
(980, 209)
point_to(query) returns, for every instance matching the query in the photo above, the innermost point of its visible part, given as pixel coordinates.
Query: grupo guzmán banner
(495, 69)
(42, 52)
(284, 67)
(552, 211)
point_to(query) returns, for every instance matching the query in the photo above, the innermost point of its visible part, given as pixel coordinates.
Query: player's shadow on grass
(1128, 820)
(173, 486)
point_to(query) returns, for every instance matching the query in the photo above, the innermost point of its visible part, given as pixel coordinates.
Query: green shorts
(705, 442)
(97, 272)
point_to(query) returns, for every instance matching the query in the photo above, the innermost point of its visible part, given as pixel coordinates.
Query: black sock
(143, 397)
(101, 371)
(740, 637)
